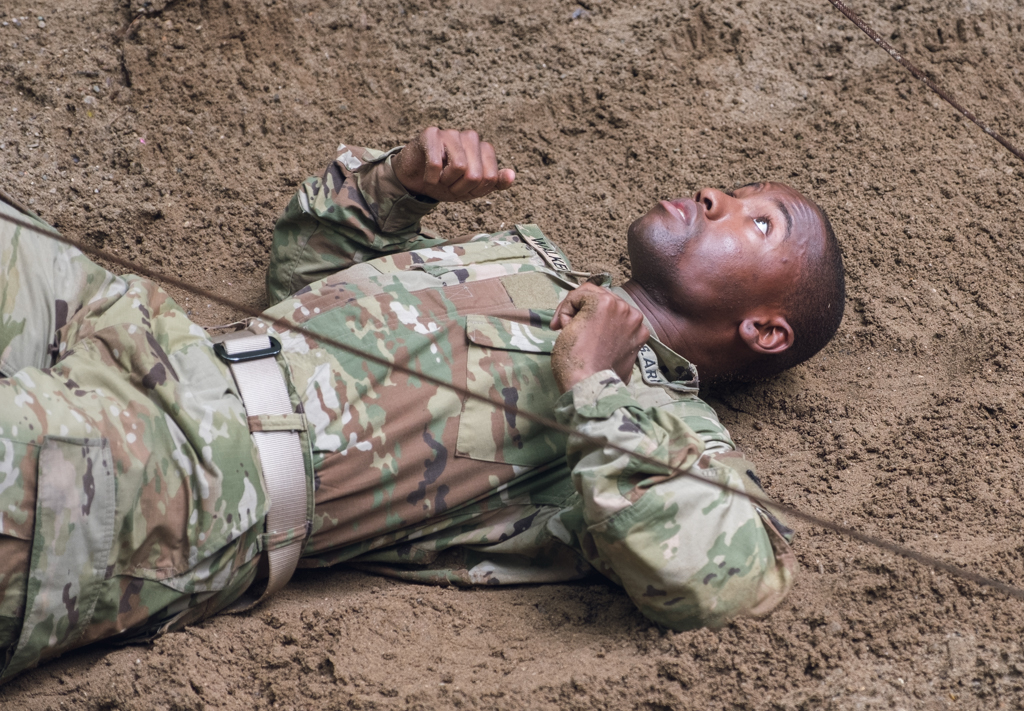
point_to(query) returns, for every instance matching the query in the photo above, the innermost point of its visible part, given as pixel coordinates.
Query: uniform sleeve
(356, 211)
(688, 554)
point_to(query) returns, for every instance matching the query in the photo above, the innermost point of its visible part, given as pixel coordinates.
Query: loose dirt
(176, 143)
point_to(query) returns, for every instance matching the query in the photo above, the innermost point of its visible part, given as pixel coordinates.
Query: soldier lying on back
(136, 488)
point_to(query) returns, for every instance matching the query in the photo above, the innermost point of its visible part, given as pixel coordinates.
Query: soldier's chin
(658, 234)
(644, 236)
(651, 268)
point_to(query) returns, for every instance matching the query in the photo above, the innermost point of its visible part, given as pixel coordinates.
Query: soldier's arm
(688, 553)
(356, 211)
(369, 203)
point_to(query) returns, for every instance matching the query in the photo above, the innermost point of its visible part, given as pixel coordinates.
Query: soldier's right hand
(599, 331)
(450, 166)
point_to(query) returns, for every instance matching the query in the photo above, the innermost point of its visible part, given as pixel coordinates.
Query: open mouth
(679, 209)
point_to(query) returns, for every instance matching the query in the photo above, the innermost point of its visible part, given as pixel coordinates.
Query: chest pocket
(510, 362)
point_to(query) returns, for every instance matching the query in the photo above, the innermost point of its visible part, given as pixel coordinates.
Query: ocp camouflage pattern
(410, 480)
(471, 494)
(129, 493)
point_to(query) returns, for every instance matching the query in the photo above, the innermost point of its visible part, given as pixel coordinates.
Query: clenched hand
(599, 331)
(450, 166)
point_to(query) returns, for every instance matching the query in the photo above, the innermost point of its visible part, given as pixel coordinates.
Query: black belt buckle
(222, 353)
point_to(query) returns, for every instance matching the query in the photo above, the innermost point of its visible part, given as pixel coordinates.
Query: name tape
(546, 251)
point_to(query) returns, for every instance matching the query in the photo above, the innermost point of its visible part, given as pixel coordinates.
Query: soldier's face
(717, 254)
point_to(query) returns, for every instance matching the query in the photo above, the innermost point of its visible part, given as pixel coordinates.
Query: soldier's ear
(768, 335)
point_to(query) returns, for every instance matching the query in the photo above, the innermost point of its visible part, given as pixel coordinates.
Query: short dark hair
(814, 309)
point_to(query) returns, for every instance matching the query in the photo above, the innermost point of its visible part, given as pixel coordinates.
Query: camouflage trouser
(130, 497)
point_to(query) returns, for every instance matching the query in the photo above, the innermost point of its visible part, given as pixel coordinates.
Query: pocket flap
(509, 361)
(493, 332)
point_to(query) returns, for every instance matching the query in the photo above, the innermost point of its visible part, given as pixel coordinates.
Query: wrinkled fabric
(131, 500)
(418, 483)
(130, 496)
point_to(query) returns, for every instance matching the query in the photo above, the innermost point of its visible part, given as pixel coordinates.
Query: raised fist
(450, 166)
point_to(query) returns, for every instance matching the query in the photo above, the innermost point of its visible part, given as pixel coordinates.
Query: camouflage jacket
(131, 498)
(413, 481)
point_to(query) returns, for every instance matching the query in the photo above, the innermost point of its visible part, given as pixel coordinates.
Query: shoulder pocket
(510, 361)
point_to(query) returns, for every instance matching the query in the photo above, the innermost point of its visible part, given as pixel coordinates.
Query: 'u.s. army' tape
(650, 368)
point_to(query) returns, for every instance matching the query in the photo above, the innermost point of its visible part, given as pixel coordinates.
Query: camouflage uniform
(131, 500)
(129, 490)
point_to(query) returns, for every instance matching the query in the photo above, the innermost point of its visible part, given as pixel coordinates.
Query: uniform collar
(680, 372)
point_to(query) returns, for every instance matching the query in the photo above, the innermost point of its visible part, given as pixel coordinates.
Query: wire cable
(892, 52)
(283, 325)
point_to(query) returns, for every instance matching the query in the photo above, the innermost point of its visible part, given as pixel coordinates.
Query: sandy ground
(176, 144)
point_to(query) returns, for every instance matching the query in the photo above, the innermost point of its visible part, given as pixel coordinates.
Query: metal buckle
(222, 353)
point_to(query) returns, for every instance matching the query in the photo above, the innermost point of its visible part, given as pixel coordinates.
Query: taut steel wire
(892, 52)
(282, 325)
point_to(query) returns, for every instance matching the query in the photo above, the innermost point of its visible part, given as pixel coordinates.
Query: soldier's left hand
(600, 331)
(450, 166)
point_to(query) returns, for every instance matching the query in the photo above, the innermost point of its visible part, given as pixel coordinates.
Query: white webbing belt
(264, 392)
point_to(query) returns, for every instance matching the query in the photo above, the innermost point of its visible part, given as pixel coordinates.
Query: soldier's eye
(762, 224)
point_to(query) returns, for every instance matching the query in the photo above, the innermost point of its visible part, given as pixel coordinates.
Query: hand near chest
(599, 331)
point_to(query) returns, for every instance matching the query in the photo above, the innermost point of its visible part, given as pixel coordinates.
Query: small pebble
(41, 25)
